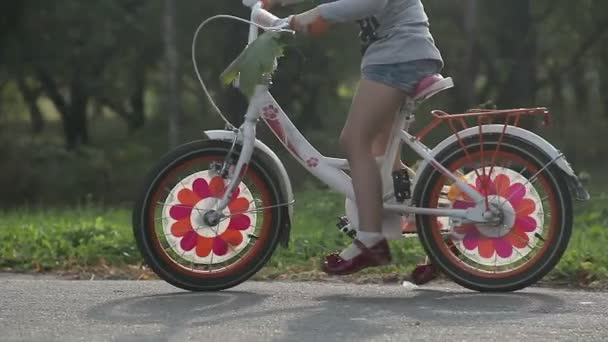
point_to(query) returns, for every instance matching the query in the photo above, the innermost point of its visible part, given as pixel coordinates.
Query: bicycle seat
(432, 85)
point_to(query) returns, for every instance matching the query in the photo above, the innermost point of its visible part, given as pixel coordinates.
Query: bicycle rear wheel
(536, 208)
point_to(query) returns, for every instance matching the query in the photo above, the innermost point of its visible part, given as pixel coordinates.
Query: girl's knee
(348, 139)
(352, 142)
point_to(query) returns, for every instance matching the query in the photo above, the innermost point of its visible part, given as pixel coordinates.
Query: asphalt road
(52, 310)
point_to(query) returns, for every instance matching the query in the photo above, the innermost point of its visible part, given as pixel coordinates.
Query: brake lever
(283, 25)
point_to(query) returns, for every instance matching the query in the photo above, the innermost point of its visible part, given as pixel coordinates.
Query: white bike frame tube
(423, 151)
(254, 30)
(247, 133)
(392, 149)
(330, 170)
(459, 213)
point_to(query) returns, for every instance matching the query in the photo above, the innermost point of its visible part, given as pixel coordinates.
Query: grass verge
(89, 241)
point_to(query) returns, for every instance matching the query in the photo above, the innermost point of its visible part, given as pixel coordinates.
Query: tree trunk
(580, 87)
(77, 114)
(603, 70)
(519, 48)
(30, 97)
(470, 58)
(231, 100)
(52, 91)
(138, 116)
(173, 102)
(73, 113)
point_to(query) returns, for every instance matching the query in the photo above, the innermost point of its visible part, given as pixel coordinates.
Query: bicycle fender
(281, 173)
(553, 153)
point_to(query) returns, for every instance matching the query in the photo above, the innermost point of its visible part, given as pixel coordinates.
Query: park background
(92, 94)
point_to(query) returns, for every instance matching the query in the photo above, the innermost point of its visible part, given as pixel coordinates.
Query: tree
(30, 95)
(172, 73)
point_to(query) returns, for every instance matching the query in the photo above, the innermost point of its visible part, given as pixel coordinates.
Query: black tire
(144, 234)
(555, 178)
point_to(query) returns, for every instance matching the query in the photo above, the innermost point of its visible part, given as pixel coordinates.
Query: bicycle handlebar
(262, 17)
(251, 3)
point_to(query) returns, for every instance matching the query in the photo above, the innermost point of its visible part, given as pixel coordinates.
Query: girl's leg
(373, 106)
(381, 142)
(379, 149)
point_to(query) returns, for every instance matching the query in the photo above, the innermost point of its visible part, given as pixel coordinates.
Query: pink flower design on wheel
(190, 238)
(524, 223)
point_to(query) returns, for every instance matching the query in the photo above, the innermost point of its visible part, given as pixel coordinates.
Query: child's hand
(269, 4)
(310, 23)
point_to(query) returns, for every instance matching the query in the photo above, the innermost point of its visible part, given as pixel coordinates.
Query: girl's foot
(423, 274)
(369, 251)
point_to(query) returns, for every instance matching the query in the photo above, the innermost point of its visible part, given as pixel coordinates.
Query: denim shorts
(404, 76)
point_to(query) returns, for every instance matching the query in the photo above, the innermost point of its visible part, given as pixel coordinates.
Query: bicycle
(492, 202)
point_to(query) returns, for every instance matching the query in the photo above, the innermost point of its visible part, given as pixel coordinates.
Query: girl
(398, 51)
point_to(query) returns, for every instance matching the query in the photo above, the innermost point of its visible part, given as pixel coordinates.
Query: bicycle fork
(246, 138)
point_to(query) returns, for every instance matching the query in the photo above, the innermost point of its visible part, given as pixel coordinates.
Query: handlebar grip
(264, 18)
(250, 3)
(269, 3)
(289, 2)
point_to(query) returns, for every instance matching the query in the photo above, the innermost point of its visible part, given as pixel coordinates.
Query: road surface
(41, 309)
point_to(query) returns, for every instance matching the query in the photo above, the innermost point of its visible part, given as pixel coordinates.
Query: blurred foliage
(91, 76)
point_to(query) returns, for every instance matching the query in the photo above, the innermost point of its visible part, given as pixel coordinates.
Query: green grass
(90, 239)
(59, 239)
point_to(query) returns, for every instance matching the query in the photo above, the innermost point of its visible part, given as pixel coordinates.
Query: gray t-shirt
(403, 32)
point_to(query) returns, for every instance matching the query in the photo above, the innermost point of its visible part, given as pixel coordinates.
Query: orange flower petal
(454, 193)
(467, 197)
(525, 208)
(502, 184)
(233, 237)
(517, 239)
(217, 187)
(181, 228)
(188, 197)
(486, 248)
(203, 246)
(240, 205)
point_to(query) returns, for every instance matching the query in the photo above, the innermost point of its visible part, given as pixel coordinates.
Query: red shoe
(378, 255)
(423, 274)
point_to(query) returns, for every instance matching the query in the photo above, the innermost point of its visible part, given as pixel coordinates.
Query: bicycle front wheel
(536, 213)
(171, 231)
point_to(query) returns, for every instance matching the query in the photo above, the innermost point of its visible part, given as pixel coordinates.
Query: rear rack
(480, 117)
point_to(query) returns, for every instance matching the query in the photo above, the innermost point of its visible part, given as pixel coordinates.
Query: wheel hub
(508, 229)
(210, 218)
(196, 231)
(501, 217)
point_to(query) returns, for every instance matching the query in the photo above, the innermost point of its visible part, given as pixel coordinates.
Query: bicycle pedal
(345, 227)
(402, 185)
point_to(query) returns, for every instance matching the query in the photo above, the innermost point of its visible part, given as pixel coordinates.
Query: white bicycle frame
(331, 170)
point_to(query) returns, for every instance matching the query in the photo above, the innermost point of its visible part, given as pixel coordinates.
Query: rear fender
(574, 183)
